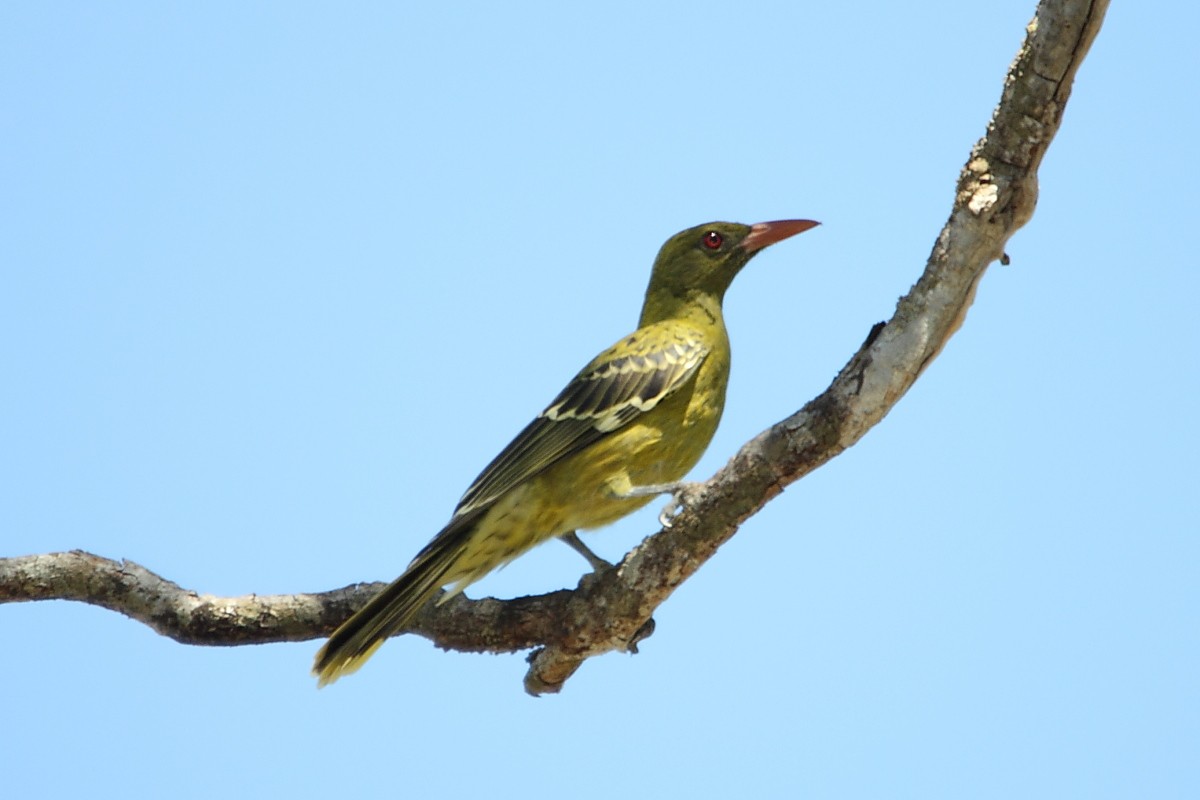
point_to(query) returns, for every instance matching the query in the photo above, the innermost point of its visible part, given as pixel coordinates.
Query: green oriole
(639, 415)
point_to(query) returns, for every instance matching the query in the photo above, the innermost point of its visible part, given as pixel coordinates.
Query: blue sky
(278, 280)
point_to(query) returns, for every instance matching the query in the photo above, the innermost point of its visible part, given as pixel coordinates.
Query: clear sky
(279, 279)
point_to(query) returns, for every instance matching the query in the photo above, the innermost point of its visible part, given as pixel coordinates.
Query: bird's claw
(667, 515)
(640, 635)
(682, 496)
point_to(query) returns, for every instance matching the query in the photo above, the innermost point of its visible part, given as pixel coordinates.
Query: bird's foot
(572, 540)
(681, 496)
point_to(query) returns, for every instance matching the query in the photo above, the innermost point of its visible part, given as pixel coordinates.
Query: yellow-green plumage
(639, 414)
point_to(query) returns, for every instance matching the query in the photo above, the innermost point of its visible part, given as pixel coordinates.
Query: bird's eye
(712, 240)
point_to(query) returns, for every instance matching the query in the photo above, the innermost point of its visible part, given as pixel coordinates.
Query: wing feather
(625, 381)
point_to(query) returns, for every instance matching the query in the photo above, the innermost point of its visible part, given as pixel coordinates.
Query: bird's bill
(768, 233)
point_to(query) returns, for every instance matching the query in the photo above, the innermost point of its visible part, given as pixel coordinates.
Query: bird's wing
(627, 380)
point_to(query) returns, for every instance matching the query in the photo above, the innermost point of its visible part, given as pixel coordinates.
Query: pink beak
(768, 233)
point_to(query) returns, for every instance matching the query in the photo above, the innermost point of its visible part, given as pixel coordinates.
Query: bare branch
(997, 192)
(612, 610)
(183, 615)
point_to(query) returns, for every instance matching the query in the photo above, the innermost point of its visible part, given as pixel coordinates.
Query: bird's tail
(391, 610)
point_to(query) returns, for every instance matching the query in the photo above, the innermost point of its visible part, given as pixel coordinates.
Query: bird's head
(702, 261)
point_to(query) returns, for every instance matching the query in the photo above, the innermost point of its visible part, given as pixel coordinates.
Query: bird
(629, 426)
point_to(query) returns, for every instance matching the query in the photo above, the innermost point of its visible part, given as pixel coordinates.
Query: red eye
(712, 240)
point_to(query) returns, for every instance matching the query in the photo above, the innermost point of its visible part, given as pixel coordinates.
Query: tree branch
(612, 610)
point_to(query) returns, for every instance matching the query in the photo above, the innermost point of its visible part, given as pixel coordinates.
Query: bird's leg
(651, 489)
(572, 540)
(680, 492)
(599, 565)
